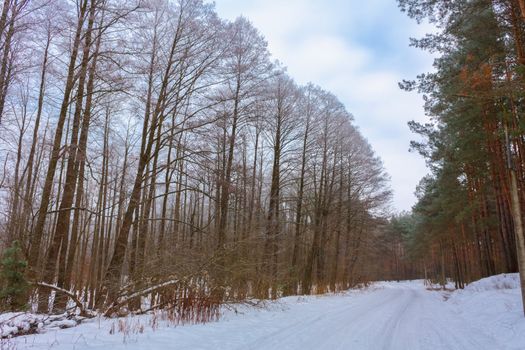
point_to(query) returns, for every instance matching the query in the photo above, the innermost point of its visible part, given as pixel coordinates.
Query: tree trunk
(38, 230)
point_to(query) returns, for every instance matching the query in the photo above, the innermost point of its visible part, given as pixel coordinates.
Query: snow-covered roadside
(388, 315)
(493, 304)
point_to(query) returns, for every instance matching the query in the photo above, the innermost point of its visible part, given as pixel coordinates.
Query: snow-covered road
(388, 315)
(400, 316)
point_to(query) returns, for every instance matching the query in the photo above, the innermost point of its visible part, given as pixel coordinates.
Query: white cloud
(359, 51)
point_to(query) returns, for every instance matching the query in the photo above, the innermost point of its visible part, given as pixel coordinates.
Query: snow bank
(493, 304)
(503, 281)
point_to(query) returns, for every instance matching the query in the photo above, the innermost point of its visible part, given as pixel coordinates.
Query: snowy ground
(388, 315)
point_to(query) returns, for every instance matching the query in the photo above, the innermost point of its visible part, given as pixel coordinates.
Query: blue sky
(359, 50)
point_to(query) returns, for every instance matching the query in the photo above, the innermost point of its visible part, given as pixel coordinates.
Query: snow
(388, 315)
(12, 323)
(503, 281)
(493, 305)
(18, 323)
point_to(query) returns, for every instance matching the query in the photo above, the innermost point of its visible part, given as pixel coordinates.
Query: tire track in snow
(401, 318)
(331, 324)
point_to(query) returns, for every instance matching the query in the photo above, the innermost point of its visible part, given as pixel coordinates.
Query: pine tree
(13, 294)
(474, 143)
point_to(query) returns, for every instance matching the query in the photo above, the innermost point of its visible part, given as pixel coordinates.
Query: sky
(358, 50)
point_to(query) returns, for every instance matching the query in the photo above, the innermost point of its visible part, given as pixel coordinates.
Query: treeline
(467, 222)
(152, 149)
